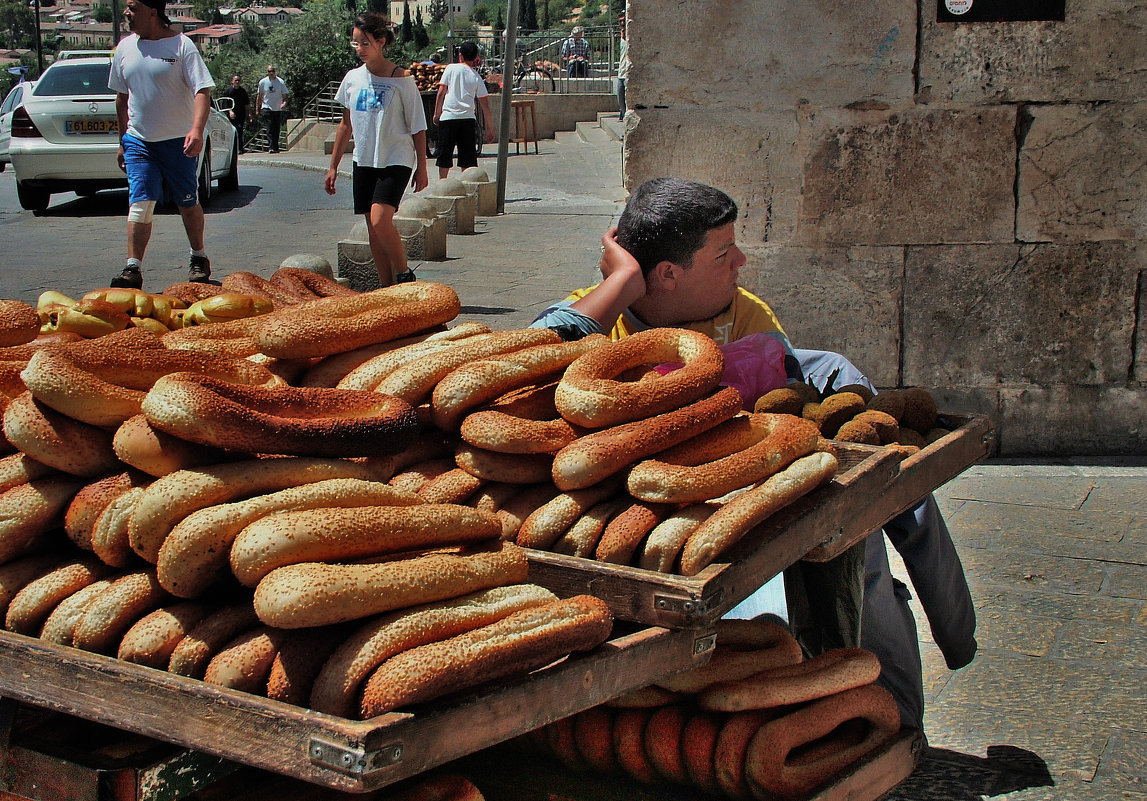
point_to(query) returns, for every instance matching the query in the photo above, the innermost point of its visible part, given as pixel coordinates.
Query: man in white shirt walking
(461, 91)
(163, 96)
(271, 100)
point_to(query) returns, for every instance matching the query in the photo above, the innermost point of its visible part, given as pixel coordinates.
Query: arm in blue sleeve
(568, 323)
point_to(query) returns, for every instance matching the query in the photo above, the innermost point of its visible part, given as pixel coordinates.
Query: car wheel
(34, 200)
(205, 176)
(231, 179)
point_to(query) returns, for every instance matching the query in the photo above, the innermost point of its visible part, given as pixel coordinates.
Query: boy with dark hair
(673, 261)
(461, 91)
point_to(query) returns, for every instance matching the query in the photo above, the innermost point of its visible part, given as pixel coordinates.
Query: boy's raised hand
(618, 264)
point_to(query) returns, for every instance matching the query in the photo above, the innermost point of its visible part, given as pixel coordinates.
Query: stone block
(457, 211)
(841, 299)
(424, 239)
(485, 195)
(356, 266)
(1080, 173)
(920, 176)
(750, 156)
(1097, 54)
(772, 56)
(983, 315)
(1082, 420)
(309, 261)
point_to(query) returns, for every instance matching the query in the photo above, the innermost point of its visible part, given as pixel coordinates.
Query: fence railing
(543, 50)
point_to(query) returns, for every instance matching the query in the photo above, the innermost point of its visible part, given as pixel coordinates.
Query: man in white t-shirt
(271, 100)
(461, 91)
(163, 96)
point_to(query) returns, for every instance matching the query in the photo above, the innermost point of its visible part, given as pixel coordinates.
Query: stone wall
(956, 206)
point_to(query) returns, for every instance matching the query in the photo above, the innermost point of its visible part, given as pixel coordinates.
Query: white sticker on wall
(958, 6)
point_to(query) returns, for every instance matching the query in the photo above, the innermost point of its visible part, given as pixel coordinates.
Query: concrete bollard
(482, 189)
(453, 202)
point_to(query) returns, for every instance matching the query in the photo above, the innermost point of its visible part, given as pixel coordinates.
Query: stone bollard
(312, 262)
(356, 266)
(454, 203)
(422, 228)
(482, 189)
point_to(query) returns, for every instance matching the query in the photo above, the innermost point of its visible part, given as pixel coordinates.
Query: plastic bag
(754, 366)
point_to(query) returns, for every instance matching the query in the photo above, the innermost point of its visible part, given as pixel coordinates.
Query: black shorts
(379, 185)
(458, 133)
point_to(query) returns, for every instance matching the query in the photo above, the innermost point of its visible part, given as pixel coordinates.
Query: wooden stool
(526, 129)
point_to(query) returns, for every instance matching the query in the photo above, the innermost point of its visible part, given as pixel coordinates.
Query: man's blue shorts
(154, 166)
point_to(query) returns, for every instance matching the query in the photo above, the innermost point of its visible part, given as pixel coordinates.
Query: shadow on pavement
(113, 203)
(944, 775)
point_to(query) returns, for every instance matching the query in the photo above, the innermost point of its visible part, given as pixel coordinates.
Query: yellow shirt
(747, 314)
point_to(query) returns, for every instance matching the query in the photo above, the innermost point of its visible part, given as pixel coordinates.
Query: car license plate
(90, 125)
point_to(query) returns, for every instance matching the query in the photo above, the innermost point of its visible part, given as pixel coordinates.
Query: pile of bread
(756, 721)
(426, 75)
(273, 487)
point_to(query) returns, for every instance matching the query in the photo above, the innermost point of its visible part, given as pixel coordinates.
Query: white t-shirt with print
(274, 93)
(463, 88)
(160, 78)
(384, 114)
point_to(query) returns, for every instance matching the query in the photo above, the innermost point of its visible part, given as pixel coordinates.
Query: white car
(14, 99)
(64, 137)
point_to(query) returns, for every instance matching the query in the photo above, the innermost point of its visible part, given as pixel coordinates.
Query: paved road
(80, 242)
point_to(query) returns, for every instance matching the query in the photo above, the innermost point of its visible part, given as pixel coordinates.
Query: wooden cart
(666, 626)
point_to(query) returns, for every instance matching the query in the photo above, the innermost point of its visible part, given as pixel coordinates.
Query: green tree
(407, 25)
(311, 50)
(204, 9)
(480, 14)
(439, 10)
(378, 6)
(499, 23)
(102, 13)
(421, 37)
(18, 23)
(545, 20)
(528, 15)
(251, 36)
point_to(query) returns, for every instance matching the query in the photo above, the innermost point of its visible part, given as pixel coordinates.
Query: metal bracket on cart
(352, 760)
(686, 612)
(705, 643)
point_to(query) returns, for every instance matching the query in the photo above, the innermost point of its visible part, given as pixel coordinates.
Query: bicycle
(528, 79)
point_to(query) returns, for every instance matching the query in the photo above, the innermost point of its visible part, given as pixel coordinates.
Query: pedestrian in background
(461, 91)
(622, 68)
(271, 100)
(382, 109)
(575, 51)
(163, 96)
(241, 110)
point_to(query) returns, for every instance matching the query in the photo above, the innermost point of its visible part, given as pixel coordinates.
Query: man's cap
(578, 29)
(161, 7)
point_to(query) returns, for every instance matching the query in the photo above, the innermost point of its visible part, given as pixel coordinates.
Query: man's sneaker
(199, 271)
(404, 278)
(129, 278)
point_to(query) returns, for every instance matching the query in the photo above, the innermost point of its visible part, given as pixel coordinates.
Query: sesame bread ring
(302, 653)
(504, 433)
(548, 522)
(663, 742)
(139, 444)
(106, 388)
(582, 537)
(336, 687)
(791, 756)
(61, 623)
(530, 468)
(478, 382)
(662, 547)
(698, 746)
(151, 640)
(58, 440)
(110, 539)
(233, 338)
(338, 534)
(173, 497)
(206, 638)
(416, 381)
(31, 606)
(737, 517)
(590, 459)
(670, 478)
(248, 283)
(624, 533)
(629, 745)
(370, 373)
(593, 737)
(590, 394)
(116, 609)
(245, 662)
(453, 486)
(287, 420)
(16, 574)
(195, 554)
(337, 324)
(318, 594)
(330, 370)
(300, 280)
(19, 323)
(833, 671)
(514, 645)
(19, 468)
(771, 645)
(729, 750)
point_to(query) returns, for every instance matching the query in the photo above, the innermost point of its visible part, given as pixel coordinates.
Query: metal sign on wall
(999, 10)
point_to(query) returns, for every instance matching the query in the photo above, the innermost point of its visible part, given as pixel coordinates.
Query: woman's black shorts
(379, 185)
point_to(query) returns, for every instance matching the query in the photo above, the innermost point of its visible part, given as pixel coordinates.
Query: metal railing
(541, 51)
(321, 108)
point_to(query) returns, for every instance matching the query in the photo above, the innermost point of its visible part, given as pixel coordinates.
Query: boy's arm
(623, 284)
(438, 101)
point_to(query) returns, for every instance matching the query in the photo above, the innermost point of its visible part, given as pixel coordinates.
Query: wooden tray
(673, 601)
(921, 473)
(354, 756)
